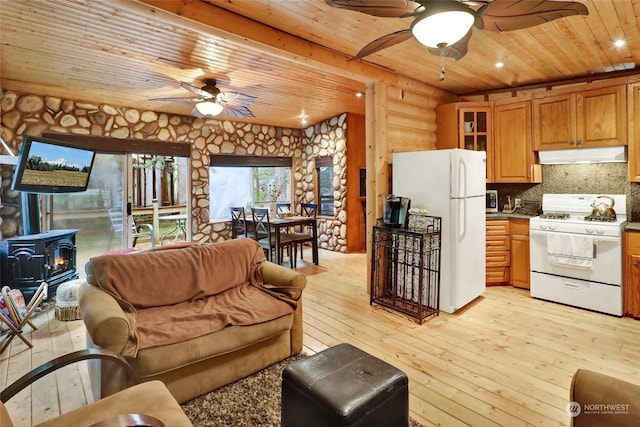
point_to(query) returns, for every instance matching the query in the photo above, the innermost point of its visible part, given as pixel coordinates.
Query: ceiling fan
(444, 26)
(211, 101)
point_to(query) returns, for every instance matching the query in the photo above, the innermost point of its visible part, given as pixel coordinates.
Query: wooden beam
(370, 158)
(107, 144)
(221, 23)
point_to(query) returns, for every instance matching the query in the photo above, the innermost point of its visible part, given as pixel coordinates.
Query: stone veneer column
(327, 138)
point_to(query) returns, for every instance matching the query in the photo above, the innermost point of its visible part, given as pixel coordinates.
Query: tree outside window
(271, 184)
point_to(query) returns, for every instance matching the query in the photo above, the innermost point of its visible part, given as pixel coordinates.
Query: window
(247, 181)
(324, 172)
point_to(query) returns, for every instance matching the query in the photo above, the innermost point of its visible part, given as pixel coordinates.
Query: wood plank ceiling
(289, 54)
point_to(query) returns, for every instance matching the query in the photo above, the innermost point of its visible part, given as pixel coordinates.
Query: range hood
(583, 155)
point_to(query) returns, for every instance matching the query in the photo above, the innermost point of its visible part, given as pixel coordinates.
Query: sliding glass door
(99, 213)
(132, 201)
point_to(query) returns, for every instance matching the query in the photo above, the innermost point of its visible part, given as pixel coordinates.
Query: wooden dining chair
(267, 239)
(238, 222)
(16, 314)
(305, 234)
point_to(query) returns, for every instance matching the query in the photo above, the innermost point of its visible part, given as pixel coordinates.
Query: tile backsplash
(596, 178)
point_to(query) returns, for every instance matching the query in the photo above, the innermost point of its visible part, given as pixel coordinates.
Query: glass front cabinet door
(475, 128)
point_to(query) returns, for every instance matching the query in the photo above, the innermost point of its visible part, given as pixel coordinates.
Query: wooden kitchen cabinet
(634, 132)
(513, 159)
(631, 286)
(452, 133)
(498, 252)
(579, 119)
(520, 268)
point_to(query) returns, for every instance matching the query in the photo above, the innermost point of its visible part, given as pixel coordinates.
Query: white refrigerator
(450, 184)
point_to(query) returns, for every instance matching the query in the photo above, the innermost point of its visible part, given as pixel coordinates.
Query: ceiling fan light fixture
(209, 108)
(443, 25)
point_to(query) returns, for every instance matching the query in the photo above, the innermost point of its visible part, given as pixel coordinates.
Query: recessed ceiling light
(619, 43)
(499, 64)
(358, 94)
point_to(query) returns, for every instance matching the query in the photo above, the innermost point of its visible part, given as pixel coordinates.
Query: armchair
(599, 400)
(148, 402)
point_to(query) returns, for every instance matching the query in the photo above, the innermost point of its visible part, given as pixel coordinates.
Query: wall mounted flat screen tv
(49, 166)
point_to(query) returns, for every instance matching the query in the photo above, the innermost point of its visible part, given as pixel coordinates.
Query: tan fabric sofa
(599, 400)
(196, 317)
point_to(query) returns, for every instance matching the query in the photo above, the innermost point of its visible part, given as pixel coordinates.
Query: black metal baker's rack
(405, 268)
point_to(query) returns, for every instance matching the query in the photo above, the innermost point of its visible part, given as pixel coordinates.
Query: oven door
(607, 260)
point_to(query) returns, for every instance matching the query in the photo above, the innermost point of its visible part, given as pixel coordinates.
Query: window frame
(323, 162)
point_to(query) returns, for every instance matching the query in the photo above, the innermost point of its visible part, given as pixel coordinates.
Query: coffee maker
(396, 211)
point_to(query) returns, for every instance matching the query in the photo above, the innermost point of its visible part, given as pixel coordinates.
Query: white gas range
(575, 256)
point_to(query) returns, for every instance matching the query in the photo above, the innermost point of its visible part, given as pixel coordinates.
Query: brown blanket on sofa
(177, 294)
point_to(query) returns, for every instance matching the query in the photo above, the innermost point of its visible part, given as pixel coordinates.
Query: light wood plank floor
(506, 360)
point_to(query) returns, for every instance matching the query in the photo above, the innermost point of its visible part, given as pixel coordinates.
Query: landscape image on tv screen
(56, 165)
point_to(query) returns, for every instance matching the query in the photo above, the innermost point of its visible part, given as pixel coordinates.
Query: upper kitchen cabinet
(466, 125)
(587, 118)
(634, 132)
(513, 159)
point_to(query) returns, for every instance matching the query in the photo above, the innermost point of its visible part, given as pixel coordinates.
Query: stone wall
(24, 114)
(327, 138)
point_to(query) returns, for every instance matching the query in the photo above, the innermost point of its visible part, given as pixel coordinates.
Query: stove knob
(543, 227)
(600, 231)
(552, 227)
(590, 230)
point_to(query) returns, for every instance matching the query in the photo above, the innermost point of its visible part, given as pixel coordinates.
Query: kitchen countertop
(630, 226)
(514, 215)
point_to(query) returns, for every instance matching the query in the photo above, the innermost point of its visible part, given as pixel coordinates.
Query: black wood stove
(44, 257)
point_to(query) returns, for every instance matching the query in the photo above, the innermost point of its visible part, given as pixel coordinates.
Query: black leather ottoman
(344, 386)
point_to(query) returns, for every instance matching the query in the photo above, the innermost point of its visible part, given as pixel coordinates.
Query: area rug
(250, 402)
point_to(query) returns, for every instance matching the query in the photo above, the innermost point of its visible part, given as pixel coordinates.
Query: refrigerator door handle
(462, 185)
(462, 178)
(462, 221)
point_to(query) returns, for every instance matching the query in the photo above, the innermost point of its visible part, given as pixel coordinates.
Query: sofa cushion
(171, 276)
(157, 360)
(239, 306)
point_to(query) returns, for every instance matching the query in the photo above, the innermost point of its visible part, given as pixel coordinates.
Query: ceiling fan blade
(240, 112)
(381, 8)
(178, 99)
(509, 15)
(383, 43)
(201, 93)
(457, 50)
(236, 99)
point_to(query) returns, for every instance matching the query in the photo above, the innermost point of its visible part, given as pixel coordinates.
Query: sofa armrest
(590, 389)
(277, 275)
(106, 322)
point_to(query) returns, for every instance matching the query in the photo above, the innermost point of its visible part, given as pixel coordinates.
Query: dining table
(280, 223)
